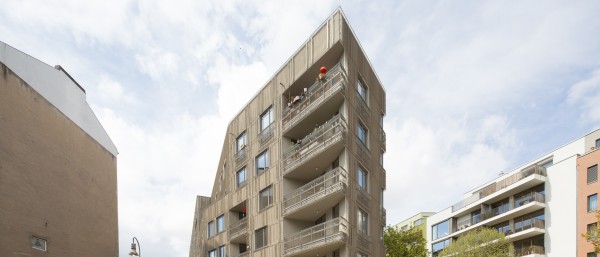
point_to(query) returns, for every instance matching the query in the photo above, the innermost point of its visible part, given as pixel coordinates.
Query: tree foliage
(404, 243)
(480, 242)
(592, 236)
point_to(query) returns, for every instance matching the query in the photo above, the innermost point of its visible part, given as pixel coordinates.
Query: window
(266, 118)
(362, 179)
(441, 230)
(592, 204)
(260, 238)
(243, 248)
(592, 230)
(381, 159)
(222, 251)
(221, 223)
(598, 143)
(439, 246)
(362, 90)
(591, 254)
(240, 177)
(418, 222)
(262, 162)
(362, 222)
(362, 134)
(38, 243)
(240, 142)
(359, 254)
(265, 198)
(212, 253)
(592, 174)
(211, 228)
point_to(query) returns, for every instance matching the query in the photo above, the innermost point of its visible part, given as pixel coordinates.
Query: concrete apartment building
(300, 172)
(418, 221)
(540, 206)
(58, 170)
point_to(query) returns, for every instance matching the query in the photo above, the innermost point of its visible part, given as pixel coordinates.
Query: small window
(212, 253)
(591, 254)
(592, 230)
(265, 198)
(362, 91)
(592, 174)
(362, 134)
(363, 178)
(240, 142)
(598, 143)
(221, 223)
(266, 118)
(262, 162)
(592, 204)
(222, 251)
(418, 222)
(240, 177)
(362, 222)
(211, 228)
(260, 238)
(38, 243)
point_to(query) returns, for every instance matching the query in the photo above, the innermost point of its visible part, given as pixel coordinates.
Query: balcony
(319, 194)
(321, 238)
(505, 183)
(238, 230)
(534, 250)
(526, 229)
(325, 96)
(315, 151)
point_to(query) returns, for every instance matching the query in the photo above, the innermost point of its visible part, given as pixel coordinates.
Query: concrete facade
(537, 205)
(301, 171)
(58, 174)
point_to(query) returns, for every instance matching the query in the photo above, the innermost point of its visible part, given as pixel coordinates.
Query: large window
(262, 162)
(439, 246)
(220, 223)
(222, 251)
(260, 238)
(240, 142)
(359, 254)
(266, 118)
(240, 177)
(265, 197)
(362, 178)
(440, 230)
(592, 174)
(362, 133)
(211, 228)
(362, 90)
(592, 204)
(362, 222)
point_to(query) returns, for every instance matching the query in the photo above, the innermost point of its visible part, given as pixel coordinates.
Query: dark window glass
(260, 238)
(592, 174)
(362, 179)
(265, 198)
(362, 133)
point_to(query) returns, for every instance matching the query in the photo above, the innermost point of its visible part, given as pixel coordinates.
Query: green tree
(404, 243)
(592, 234)
(480, 242)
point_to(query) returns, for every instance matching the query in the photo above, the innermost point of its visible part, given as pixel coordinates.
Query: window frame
(362, 222)
(222, 251)
(220, 223)
(212, 253)
(269, 114)
(210, 227)
(269, 198)
(362, 178)
(241, 141)
(593, 200)
(264, 236)
(43, 245)
(239, 183)
(593, 168)
(362, 130)
(362, 90)
(435, 232)
(264, 154)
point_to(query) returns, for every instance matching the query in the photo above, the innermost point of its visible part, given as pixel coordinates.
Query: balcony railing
(332, 131)
(241, 155)
(529, 223)
(497, 186)
(530, 197)
(330, 232)
(266, 133)
(244, 254)
(316, 94)
(331, 182)
(529, 250)
(238, 228)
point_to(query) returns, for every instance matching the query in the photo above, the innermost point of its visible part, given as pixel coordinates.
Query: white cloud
(585, 94)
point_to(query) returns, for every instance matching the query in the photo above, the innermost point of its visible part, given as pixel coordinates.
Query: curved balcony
(324, 96)
(316, 150)
(321, 238)
(320, 194)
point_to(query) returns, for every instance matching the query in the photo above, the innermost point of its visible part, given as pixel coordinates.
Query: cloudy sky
(473, 87)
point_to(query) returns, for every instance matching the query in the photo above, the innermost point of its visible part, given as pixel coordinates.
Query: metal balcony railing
(317, 93)
(529, 223)
(530, 197)
(331, 182)
(238, 228)
(332, 231)
(241, 155)
(266, 133)
(497, 186)
(533, 249)
(331, 132)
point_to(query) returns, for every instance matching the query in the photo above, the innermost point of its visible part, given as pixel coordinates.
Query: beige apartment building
(301, 171)
(58, 172)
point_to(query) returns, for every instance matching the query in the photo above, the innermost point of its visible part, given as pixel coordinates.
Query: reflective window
(441, 230)
(362, 90)
(240, 177)
(220, 223)
(211, 228)
(212, 253)
(362, 222)
(266, 118)
(262, 162)
(592, 203)
(222, 251)
(362, 178)
(439, 246)
(362, 133)
(240, 142)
